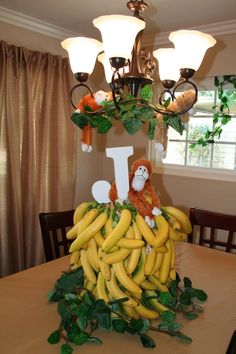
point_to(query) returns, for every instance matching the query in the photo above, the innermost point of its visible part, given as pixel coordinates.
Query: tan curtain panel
(37, 150)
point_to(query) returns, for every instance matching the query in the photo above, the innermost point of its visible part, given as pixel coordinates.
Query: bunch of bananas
(122, 257)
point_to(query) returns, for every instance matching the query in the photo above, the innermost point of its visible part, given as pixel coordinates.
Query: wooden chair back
(208, 223)
(54, 226)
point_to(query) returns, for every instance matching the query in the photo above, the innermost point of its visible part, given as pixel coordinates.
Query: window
(221, 154)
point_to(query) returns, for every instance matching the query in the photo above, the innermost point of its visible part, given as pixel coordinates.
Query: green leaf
(80, 338)
(175, 327)
(168, 316)
(185, 298)
(54, 295)
(103, 125)
(70, 280)
(80, 119)
(146, 93)
(151, 129)
(147, 341)
(66, 349)
(166, 298)
(175, 122)
(187, 282)
(184, 338)
(199, 294)
(190, 315)
(136, 325)
(119, 325)
(54, 337)
(94, 340)
(63, 310)
(132, 125)
(82, 322)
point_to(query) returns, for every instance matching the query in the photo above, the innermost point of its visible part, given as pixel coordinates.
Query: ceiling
(161, 15)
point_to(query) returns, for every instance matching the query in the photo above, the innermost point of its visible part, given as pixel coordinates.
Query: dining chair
(214, 230)
(54, 226)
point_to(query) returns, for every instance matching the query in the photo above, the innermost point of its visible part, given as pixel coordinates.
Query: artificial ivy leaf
(199, 294)
(184, 338)
(190, 315)
(175, 122)
(175, 327)
(54, 295)
(166, 298)
(146, 93)
(70, 280)
(103, 124)
(151, 129)
(88, 298)
(66, 349)
(80, 119)
(54, 337)
(147, 341)
(82, 322)
(80, 338)
(187, 282)
(119, 325)
(185, 298)
(94, 340)
(137, 325)
(132, 125)
(63, 310)
(168, 316)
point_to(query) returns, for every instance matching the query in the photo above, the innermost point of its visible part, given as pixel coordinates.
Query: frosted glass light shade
(191, 47)
(82, 53)
(118, 34)
(108, 68)
(168, 65)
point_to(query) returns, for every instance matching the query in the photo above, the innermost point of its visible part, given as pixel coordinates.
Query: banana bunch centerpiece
(123, 257)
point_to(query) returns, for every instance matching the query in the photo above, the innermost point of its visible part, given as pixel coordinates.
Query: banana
(159, 286)
(172, 273)
(99, 238)
(88, 270)
(133, 244)
(82, 224)
(125, 279)
(130, 312)
(74, 258)
(101, 288)
(177, 236)
(150, 260)
(154, 302)
(117, 256)
(80, 211)
(135, 254)
(92, 253)
(89, 232)
(173, 222)
(116, 292)
(161, 233)
(144, 229)
(158, 262)
(165, 267)
(104, 267)
(139, 276)
(146, 313)
(108, 225)
(161, 249)
(186, 226)
(147, 285)
(118, 231)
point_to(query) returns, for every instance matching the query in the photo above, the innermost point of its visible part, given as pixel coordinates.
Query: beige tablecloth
(26, 318)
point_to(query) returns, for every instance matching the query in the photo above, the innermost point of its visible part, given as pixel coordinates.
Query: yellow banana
(92, 253)
(172, 273)
(74, 258)
(116, 292)
(177, 236)
(89, 232)
(147, 285)
(82, 224)
(135, 254)
(154, 302)
(130, 312)
(133, 244)
(173, 222)
(159, 286)
(104, 267)
(88, 270)
(139, 276)
(99, 238)
(161, 233)
(165, 267)
(117, 256)
(108, 225)
(146, 313)
(186, 226)
(101, 288)
(80, 211)
(158, 263)
(118, 231)
(150, 260)
(144, 229)
(161, 249)
(125, 279)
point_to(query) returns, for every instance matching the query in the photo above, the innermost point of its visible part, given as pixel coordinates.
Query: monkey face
(142, 173)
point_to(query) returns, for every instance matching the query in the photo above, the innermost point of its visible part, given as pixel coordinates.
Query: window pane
(199, 156)
(224, 156)
(204, 104)
(175, 153)
(229, 132)
(198, 127)
(231, 95)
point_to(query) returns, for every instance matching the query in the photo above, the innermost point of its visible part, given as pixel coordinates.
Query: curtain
(37, 150)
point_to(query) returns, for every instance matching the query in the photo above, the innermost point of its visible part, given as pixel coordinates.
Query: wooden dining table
(27, 318)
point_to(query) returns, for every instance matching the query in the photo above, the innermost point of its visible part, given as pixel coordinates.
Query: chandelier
(129, 68)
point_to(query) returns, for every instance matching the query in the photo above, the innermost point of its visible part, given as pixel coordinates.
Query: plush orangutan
(141, 193)
(93, 103)
(183, 101)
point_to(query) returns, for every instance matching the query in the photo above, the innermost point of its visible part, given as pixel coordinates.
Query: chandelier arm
(74, 88)
(195, 98)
